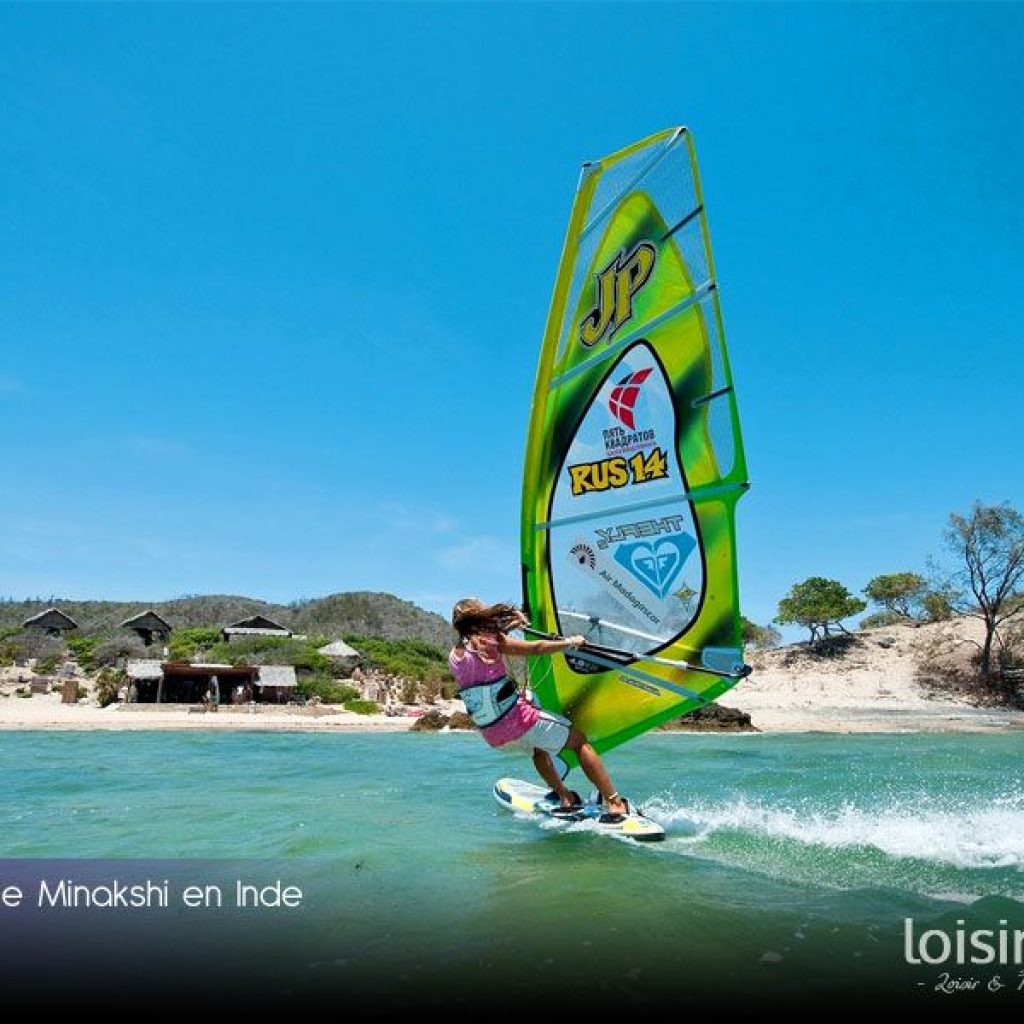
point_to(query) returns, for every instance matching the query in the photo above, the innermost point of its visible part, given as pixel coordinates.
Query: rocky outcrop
(431, 721)
(713, 718)
(434, 721)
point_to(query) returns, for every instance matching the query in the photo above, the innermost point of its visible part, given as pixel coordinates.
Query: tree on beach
(989, 582)
(819, 604)
(761, 638)
(899, 593)
(937, 606)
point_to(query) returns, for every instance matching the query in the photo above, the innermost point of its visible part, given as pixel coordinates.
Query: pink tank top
(469, 667)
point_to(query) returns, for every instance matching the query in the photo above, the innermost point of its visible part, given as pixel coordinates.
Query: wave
(985, 836)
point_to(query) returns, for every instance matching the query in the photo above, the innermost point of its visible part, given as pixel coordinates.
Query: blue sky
(274, 280)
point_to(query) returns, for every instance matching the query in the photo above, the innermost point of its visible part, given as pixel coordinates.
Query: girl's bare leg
(594, 769)
(549, 773)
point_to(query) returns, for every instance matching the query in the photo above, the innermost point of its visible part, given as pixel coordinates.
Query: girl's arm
(529, 648)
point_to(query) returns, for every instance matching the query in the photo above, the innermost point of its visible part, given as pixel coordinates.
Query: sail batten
(612, 349)
(707, 494)
(635, 459)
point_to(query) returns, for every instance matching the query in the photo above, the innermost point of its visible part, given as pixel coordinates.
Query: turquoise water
(791, 865)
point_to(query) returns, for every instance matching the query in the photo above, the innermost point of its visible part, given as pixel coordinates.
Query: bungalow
(340, 652)
(256, 625)
(149, 627)
(52, 622)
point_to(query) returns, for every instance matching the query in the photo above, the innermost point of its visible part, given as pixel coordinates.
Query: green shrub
(877, 619)
(186, 644)
(108, 682)
(412, 659)
(84, 648)
(109, 652)
(329, 690)
(362, 707)
(48, 665)
(8, 652)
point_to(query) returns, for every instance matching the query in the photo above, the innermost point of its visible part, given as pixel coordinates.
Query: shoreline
(770, 713)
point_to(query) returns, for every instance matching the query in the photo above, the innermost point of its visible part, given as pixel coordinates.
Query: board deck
(529, 798)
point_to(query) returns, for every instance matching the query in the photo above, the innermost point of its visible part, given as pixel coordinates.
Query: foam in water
(986, 836)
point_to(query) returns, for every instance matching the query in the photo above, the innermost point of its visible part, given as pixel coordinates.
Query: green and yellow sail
(634, 460)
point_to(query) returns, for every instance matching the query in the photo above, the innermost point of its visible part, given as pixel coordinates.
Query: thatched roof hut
(256, 625)
(148, 626)
(340, 652)
(53, 622)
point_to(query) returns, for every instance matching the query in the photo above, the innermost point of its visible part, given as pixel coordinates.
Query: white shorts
(550, 733)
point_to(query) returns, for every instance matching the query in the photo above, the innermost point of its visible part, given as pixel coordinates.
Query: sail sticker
(617, 285)
(656, 564)
(634, 460)
(624, 395)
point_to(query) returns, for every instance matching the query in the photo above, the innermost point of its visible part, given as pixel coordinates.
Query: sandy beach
(878, 685)
(875, 686)
(45, 711)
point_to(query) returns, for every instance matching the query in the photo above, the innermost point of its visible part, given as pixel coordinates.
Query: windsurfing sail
(634, 460)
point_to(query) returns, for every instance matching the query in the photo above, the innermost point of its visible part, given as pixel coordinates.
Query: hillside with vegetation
(361, 613)
(402, 647)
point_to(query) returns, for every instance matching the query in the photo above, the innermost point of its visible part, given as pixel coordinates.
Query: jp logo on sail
(617, 285)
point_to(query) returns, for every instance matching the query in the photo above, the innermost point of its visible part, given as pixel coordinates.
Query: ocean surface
(792, 868)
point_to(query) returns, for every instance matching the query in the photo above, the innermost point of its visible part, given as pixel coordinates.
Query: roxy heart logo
(657, 563)
(622, 401)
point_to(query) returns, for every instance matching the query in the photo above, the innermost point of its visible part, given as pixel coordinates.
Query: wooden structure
(149, 627)
(255, 625)
(178, 682)
(52, 622)
(276, 684)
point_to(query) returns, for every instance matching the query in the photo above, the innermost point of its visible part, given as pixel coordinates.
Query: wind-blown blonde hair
(471, 618)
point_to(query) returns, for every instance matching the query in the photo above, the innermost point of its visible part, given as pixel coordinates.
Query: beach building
(148, 627)
(276, 684)
(52, 622)
(175, 682)
(256, 625)
(341, 653)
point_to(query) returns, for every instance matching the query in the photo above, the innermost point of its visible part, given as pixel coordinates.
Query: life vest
(490, 702)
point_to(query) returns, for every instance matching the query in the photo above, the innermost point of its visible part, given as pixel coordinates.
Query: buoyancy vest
(491, 701)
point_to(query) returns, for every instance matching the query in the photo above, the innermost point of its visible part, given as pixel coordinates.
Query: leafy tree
(937, 606)
(819, 604)
(989, 583)
(761, 638)
(897, 592)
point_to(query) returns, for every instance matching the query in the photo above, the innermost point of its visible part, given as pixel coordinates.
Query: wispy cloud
(10, 385)
(481, 554)
(421, 520)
